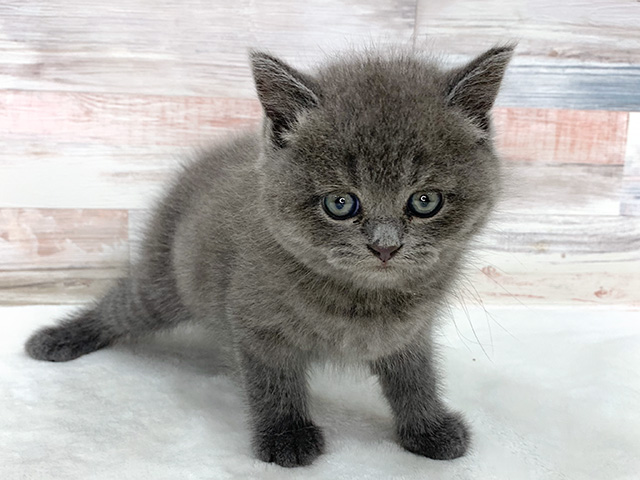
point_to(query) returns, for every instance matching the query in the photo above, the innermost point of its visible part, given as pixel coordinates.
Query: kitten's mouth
(384, 266)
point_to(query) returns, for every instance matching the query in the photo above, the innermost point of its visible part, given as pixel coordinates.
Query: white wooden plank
(50, 175)
(78, 175)
(557, 259)
(593, 31)
(556, 236)
(192, 47)
(57, 286)
(561, 189)
(53, 239)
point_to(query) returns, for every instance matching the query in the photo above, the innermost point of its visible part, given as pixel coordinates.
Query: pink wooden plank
(562, 136)
(565, 136)
(122, 119)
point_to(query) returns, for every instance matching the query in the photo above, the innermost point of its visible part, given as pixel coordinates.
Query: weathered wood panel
(98, 105)
(522, 258)
(105, 177)
(593, 31)
(546, 259)
(60, 256)
(565, 136)
(570, 85)
(543, 149)
(557, 259)
(46, 174)
(192, 47)
(569, 189)
(33, 239)
(57, 286)
(574, 55)
(531, 285)
(566, 238)
(200, 48)
(122, 119)
(631, 180)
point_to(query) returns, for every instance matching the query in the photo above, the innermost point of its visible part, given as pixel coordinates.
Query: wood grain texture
(564, 136)
(47, 174)
(60, 256)
(192, 47)
(573, 54)
(122, 119)
(631, 179)
(557, 259)
(569, 84)
(99, 105)
(200, 48)
(32, 239)
(543, 149)
(523, 259)
(569, 189)
(58, 286)
(565, 236)
(556, 285)
(603, 31)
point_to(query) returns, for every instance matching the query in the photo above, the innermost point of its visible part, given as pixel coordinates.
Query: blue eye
(425, 204)
(341, 206)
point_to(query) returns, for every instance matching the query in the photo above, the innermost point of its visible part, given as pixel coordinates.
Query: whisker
(478, 342)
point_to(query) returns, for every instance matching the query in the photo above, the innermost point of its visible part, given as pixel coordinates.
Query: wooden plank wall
(98, 105)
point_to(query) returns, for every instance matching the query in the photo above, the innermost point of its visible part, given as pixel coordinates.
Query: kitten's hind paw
(290, 446)
(65, 342)
(446, 438)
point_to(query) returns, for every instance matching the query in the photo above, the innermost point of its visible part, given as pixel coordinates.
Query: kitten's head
(379, 169)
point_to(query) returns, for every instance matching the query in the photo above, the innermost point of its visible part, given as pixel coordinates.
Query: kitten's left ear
(284, 93)
(473, 88)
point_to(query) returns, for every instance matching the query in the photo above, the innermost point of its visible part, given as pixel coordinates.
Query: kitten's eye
(425, 204)
(341, 205)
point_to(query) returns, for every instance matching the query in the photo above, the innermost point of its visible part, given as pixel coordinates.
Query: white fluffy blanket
(557, 396)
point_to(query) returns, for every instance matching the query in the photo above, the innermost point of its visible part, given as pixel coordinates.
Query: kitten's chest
(363, 327)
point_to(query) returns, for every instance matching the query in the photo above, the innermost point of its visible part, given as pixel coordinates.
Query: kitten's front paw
(290, 445)
(446, 438)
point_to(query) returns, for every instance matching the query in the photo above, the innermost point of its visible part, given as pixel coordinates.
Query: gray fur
(241, 242)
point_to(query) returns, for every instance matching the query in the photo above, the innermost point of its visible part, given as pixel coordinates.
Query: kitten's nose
(384, 253)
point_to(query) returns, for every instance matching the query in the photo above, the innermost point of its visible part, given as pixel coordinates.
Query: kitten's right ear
(284, 93)
(473, 87)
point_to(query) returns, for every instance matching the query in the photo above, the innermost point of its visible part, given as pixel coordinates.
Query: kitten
(333, 234)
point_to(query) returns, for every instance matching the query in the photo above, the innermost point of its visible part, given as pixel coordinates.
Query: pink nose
(384, 253)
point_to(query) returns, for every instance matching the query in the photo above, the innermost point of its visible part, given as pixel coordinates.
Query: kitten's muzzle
(384, 253)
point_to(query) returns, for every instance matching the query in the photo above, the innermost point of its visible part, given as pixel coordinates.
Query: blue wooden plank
(572, 86)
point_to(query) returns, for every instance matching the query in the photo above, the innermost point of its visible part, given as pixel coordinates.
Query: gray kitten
(334, 234)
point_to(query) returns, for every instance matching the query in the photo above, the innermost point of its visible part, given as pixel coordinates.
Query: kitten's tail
(127, 310)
